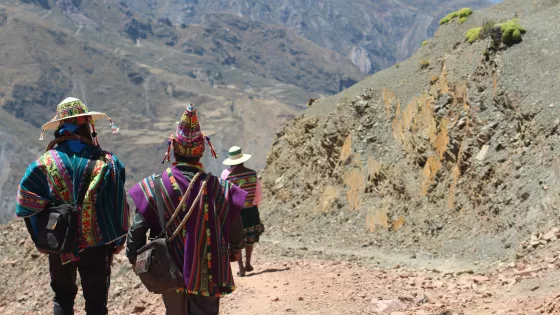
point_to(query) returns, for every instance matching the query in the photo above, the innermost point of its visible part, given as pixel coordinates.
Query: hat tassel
(212, 149)
(42, 136)
(114, 127)
(167, 157)
(94, 135)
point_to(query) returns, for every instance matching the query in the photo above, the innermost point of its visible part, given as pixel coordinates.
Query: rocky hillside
(452, 152)
(372, 34)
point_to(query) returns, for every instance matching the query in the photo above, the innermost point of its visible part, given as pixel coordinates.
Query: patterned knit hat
(188, 140)
(74, 109)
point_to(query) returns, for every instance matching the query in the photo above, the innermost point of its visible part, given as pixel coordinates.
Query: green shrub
(511, 31)
(446, 19)
(462, 14)
(424, 43)
(473, 34)
(424, 63)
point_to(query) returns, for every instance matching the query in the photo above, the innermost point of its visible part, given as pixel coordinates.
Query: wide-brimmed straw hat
(74, 108)
(236, 157)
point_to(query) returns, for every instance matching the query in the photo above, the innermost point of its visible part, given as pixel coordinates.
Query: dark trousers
(95, 273)
(180, 304)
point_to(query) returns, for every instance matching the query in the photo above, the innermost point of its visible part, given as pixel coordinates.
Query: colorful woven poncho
(55, 178)
(202, 247)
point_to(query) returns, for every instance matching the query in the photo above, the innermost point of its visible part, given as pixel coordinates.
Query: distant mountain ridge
(372, 34)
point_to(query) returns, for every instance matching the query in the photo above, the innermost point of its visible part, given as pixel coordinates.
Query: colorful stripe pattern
(202, 247)
(247, 180)
(56, 178)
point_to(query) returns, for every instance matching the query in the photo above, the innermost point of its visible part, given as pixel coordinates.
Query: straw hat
(236, 157)
(73, 108)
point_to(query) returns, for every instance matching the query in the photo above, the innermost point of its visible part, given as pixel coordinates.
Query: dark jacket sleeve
(237, 234)
(136, 236)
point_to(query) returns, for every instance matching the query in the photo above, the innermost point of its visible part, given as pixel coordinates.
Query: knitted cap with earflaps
(188, 140)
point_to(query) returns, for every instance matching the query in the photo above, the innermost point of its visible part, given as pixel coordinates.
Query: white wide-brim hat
(236, 157)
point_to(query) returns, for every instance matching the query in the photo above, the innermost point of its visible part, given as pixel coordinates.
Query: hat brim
(243, 159)
(53, 124)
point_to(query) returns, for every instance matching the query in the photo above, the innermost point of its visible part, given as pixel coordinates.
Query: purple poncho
(202, 247)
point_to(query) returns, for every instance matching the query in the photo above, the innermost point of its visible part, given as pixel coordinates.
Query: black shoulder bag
(154, 265)
(57, 226)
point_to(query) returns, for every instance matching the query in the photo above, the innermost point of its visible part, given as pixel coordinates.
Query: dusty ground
(291, 279)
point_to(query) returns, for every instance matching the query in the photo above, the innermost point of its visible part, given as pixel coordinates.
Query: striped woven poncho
(55, 178)
(202, 247)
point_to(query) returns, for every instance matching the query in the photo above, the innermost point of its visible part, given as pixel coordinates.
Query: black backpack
(56, 227)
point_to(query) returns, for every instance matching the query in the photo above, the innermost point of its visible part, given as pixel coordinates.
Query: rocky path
(300, 286)
(296, 280)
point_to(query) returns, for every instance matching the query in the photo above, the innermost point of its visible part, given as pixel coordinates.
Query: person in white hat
(246, 179)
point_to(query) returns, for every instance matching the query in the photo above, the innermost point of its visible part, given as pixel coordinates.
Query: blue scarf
(75, 145)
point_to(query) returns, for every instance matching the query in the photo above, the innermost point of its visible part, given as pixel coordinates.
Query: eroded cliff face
(451, 152)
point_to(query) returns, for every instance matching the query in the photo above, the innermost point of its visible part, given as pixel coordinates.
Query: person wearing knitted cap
(75, 173)
(208, 233)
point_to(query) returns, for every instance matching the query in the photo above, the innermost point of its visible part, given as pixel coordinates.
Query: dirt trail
(285, 285)
(291, 279)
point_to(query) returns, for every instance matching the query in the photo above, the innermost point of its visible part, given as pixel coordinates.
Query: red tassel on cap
(212, 149)
(167, 157)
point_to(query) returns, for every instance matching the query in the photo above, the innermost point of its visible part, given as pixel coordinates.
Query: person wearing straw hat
(246, 179)
(74, 167)
(200, 249)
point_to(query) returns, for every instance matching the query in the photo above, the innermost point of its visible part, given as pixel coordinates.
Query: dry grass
(346, 150)
(451, 198)
(398, 223)
(397, 125)
(456, 173)
(418, 122)
(443, 83)
(433, 165)
(442, 138)
(425, 121)
(284, 195)
(355, 182)
(388, 98)
(377, 218)
(330, 194)
(374, 168)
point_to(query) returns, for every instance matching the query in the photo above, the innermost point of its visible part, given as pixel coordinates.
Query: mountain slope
(451, 152)
(142, 87)
(373, 34)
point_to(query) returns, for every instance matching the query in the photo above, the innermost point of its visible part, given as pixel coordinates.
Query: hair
(188, 160)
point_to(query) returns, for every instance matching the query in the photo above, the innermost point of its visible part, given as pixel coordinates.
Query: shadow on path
(269, 270)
